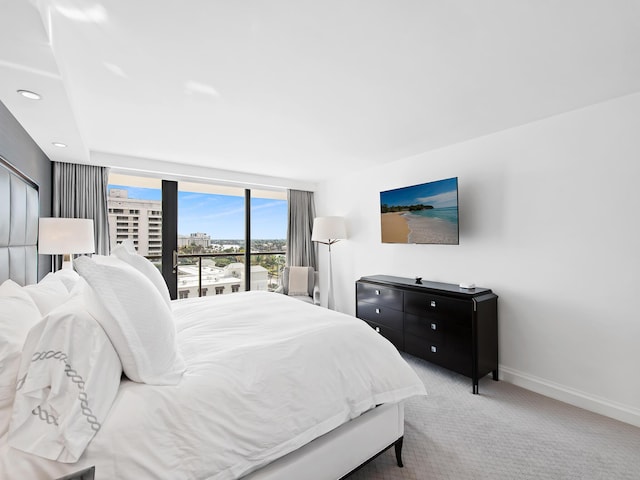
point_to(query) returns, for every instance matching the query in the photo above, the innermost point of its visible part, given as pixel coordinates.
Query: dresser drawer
(377, 295)
(429, 350)
(437, 307)
(394, 336)
(444, 355)
(380, 315)
(432, 329)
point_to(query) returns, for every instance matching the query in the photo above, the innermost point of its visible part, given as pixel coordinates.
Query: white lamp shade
(65, 236)
(328, 228)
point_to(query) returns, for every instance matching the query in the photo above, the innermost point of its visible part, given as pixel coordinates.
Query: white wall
(550, 220)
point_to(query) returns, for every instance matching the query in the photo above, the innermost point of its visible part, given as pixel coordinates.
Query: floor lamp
(329, 230)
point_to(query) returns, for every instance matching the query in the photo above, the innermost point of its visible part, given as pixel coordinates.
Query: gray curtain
(301, 251)
(80, 191)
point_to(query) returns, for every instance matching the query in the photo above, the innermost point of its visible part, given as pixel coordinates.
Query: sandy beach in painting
(431, 230)
(402, 227)
(395, 228)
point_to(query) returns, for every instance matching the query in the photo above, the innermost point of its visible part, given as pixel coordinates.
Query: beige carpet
(506, 432)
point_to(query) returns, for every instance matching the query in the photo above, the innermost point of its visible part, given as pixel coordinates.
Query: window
(213, 249)
(268, 238)
(212, 230)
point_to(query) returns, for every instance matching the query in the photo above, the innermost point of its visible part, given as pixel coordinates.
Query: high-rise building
(138, 220)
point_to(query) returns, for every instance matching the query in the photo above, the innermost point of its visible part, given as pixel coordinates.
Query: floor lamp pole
(329, 230)
(330, 302)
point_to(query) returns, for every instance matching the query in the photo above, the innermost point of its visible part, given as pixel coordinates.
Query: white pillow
(49, 293)
(128, 244)
(127, 253)
(67, 276)
(136, 319)
(18, 313)
(68, 380)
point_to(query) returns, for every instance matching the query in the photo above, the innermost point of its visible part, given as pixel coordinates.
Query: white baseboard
(593, 403)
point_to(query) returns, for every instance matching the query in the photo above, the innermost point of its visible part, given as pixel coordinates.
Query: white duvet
(265, 375)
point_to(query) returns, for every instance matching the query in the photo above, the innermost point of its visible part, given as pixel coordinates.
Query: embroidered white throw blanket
(298, 280)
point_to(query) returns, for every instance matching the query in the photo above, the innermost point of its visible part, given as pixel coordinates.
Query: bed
(113, 376)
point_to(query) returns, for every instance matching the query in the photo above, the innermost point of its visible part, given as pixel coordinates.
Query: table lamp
(65, 236)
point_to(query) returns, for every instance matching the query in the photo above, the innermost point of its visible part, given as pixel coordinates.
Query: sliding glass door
(230, 239)
(268, 238)
(206, 239)
(211, 240)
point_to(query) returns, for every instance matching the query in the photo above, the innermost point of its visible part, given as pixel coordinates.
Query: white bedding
(68, 378)
(265, 375)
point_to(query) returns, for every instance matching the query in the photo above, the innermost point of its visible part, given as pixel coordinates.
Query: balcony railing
(273, 271)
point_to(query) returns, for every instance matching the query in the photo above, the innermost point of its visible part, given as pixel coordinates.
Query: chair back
(310, 282)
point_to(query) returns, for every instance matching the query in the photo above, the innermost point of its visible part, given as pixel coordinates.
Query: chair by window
(291, 281)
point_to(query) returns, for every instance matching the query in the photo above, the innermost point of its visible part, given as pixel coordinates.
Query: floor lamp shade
(65, 236)
(329, 230)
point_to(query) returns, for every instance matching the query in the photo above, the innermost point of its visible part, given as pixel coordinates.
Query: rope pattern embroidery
(75, 377)
(45, 416)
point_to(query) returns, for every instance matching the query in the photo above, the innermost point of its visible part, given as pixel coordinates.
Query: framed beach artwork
(425, 213)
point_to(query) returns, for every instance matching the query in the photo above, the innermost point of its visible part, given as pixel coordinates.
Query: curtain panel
(80, 191)
(301, 251)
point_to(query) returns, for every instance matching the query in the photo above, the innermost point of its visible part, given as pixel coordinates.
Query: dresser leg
(398, 447)
(495, 374)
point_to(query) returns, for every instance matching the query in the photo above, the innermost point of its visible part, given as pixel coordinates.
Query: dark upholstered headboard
(19, 212)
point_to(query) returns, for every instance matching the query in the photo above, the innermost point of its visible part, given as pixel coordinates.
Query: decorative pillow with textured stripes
(136, 318)
(127, 253)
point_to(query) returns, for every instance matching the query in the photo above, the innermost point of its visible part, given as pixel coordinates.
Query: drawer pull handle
(434, 326)
(378, 311)
(433, 303)
(378, 329)
(377, 292)
(434, 349)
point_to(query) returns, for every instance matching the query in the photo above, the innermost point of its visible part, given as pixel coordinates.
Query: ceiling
(302, 90)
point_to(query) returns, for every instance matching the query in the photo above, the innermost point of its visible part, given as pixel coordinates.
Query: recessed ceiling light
(59, 144)
(29, 94)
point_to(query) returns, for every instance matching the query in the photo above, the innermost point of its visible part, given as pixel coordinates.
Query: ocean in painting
(448, 214)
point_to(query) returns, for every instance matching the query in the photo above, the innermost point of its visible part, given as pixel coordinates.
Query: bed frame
(344, 450)
(334, 455)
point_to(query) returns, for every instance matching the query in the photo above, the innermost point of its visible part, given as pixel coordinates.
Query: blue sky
(222, 216)
(439, 194)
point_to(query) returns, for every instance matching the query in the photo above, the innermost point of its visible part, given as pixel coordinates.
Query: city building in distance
(138, 220)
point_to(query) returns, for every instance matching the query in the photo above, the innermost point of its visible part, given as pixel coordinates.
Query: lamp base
(67, 261)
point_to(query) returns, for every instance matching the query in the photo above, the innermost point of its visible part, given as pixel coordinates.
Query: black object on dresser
(453, 327)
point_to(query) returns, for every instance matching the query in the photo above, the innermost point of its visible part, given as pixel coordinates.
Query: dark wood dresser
(440, 322)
